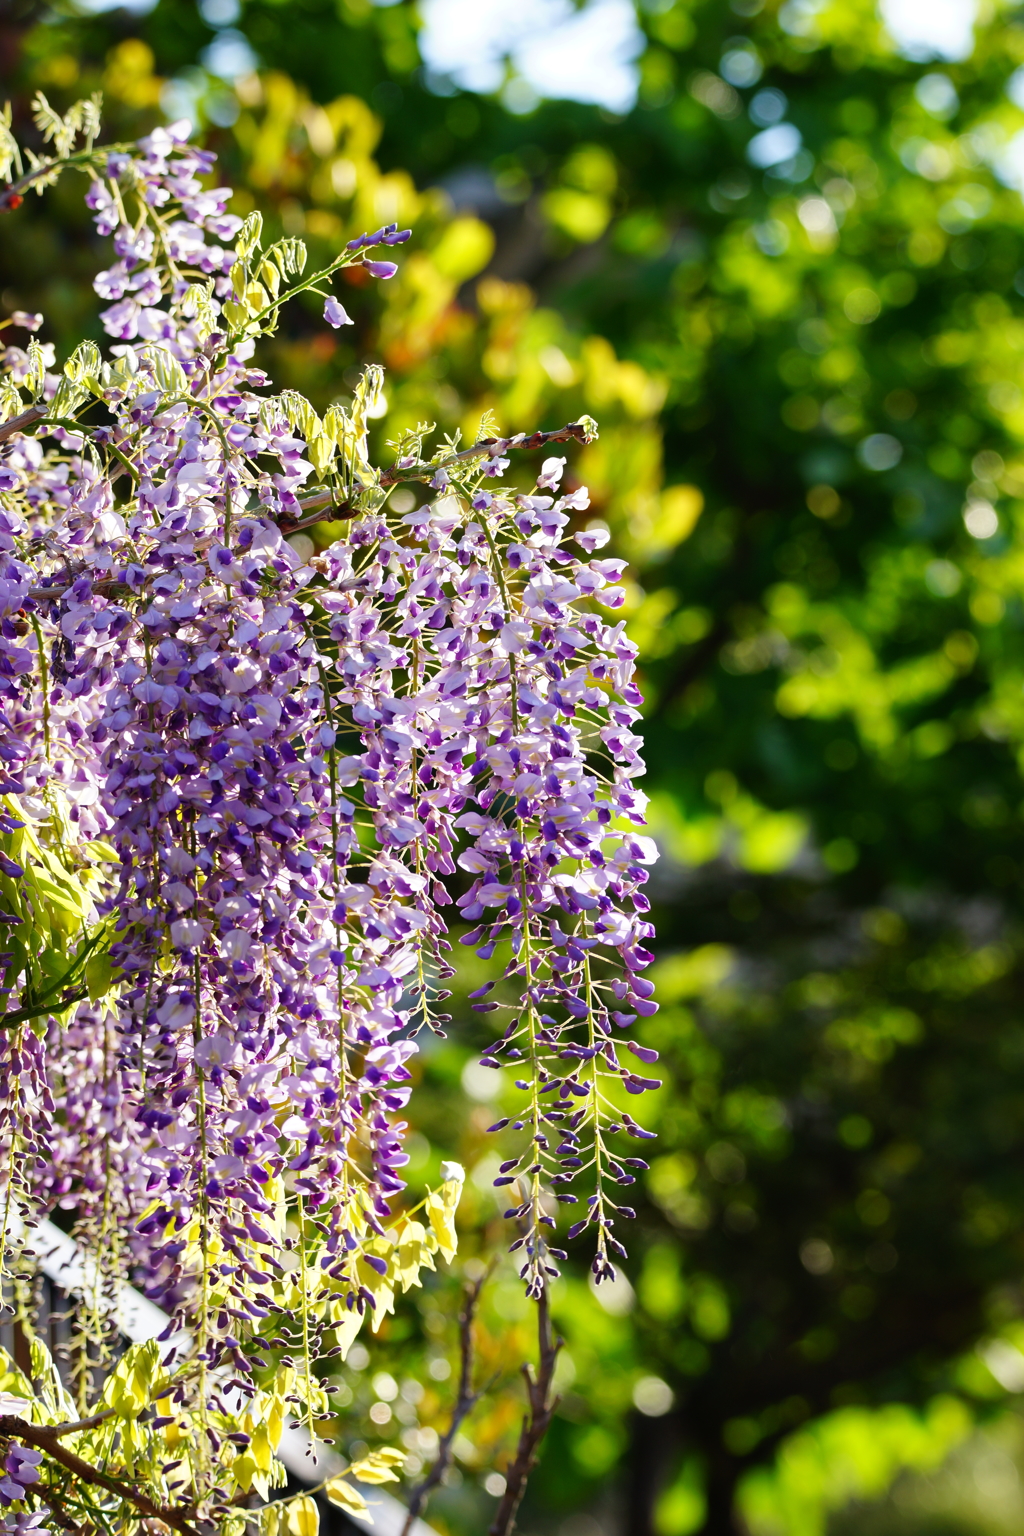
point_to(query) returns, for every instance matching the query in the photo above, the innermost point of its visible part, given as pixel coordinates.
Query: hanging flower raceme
(267, 771)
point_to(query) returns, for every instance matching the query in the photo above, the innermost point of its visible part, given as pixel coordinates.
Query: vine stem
(600, 1152)
(8, 1197)
(43, 1438)
(535, 1238)
(304, 1301)
(204, 1240)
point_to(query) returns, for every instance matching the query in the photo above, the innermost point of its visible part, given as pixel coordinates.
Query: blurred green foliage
(809, 383)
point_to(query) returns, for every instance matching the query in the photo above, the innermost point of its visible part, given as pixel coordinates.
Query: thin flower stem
(80, 161)
(579, 431)
(304, 1295)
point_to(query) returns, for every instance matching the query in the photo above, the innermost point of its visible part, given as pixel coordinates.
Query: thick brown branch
(21, 423)
(535, 1422)
(44, 1438)
(465, 1402)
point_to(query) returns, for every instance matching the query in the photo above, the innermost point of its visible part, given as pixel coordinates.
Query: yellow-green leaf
(347, 1498)
(441, 1207)
(346, 1325)
(412, 1253)
(98, 972)
(270, 1519)
(378, 1466)
(303, 1517)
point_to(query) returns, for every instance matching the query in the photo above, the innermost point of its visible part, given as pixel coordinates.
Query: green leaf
(98, 971)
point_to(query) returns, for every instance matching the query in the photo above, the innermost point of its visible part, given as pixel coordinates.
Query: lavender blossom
(20, 1471)
(279, 765)
(335, 314)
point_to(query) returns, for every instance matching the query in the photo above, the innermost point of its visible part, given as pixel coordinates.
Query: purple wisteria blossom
(335, 314)
(20, 1471)
(287, 767)
(25, 1523)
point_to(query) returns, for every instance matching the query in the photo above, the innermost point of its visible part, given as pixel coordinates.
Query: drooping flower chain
(288, 760)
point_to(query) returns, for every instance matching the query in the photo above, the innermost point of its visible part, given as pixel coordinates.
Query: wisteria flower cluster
(262, 782)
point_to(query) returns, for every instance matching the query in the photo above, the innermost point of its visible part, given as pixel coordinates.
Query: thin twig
(11, 193)
(464, 1404)
(80, 1424)
(487, 447)
(535, 1422)
(43, 1438)
(493, 447)
(50, 1497)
